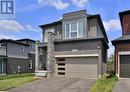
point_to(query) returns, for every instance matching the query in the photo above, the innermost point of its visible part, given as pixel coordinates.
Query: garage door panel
(80, 67)
(125, 66)
(82, 61)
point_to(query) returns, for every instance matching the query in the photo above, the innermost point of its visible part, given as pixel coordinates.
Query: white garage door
(77, 67)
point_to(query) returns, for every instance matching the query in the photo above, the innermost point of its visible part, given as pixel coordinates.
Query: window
(30, 64)
(32, 46)
(61, 59)
(61, 73)
(61, 68)
(1, 45)
(74, 29)
(67, 30)
(23, 48)
(61, 64)
(80, 28)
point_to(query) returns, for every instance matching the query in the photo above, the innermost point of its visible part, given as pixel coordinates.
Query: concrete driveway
(123, 85)
(56, 85)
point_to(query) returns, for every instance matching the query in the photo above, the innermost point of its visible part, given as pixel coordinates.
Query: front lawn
(105, 84)
(11, 81)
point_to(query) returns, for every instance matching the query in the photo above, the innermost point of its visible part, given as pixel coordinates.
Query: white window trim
(66, 32)
(74, 31)
(78, 29)
(70, 31)
(78, 55)
(119, 54)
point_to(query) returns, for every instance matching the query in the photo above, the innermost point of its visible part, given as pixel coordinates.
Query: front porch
(41, 60)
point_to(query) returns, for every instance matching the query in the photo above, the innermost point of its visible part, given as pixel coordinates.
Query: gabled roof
(124, 38)
(51, 24)
(26, 39)
(12, 41)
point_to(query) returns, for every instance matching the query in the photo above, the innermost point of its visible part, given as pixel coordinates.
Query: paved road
(123, 85)
(56, 85)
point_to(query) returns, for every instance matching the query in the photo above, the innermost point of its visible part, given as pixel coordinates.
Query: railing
(2, 50)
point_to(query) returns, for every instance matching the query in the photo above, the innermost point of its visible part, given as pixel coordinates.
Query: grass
(12, 81)
(106, 84)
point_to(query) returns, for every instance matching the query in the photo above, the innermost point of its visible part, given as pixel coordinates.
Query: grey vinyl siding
(57, 30)
(15, 50)
(80, 45)
(94, 30)
(31, 45)
(100, 33)
(3, 50)
(13, 63)
(104, 58)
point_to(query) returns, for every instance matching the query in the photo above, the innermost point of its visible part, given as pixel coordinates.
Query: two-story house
(75, 46)
(17, 56)
(122, 47)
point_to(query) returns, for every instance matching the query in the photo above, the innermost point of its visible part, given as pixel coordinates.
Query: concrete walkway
(56, 85)
(123, 85)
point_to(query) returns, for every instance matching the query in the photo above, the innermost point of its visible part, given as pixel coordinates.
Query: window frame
(30, 65)
(23, 48)
(70, 29)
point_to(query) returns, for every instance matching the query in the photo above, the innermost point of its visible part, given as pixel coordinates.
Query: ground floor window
(3, 65)
(30, 64)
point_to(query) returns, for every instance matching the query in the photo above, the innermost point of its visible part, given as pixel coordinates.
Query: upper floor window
(2, 45)
(32, 46)
(74, 29)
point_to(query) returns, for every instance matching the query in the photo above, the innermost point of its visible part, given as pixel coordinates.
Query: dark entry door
(125, 66)
(3, 65)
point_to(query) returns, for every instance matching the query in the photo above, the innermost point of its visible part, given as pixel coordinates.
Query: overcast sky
(32, 13)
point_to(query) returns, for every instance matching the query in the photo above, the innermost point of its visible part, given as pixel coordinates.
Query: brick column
(50, 54)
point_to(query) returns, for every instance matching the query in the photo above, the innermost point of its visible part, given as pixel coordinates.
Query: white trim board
(80, 55)
(124, 53)
(11, 56)
(119, 54)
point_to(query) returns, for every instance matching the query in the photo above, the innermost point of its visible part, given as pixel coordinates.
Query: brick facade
(126, 24)
(120, 47)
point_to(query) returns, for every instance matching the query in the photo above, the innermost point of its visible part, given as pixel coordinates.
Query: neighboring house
(122, 47)
(75, 46)
(17, 56)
